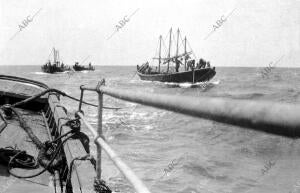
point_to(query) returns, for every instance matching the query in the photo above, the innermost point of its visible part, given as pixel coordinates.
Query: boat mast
(170, 41)
(185, 53)
(177, 43)
(159, 59)
(54, 56)
(57, 57)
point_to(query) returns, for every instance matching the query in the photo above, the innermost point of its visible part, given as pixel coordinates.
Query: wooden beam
(83, 171)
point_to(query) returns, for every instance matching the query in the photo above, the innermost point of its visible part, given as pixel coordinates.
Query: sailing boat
(56, 66)
(78, 67)
(200, 72)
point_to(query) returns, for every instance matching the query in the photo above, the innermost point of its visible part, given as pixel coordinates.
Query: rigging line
(50, 54)
(174, 40)
(182, 40)
(156, 51)
(192, 50)
(165, 50)
(180, 45)
(165, 39)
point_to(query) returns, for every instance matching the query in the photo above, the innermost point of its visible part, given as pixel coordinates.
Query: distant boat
(56, 65)
(191, 72)
(78, 67)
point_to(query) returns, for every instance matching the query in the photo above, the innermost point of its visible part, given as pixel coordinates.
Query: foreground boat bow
(46, 119)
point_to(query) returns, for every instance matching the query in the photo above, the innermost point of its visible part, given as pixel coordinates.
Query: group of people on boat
(190, 65)
(55, 64)
(145, 68)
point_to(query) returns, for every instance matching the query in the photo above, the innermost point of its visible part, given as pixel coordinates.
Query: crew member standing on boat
(177, 63)
(190, 64)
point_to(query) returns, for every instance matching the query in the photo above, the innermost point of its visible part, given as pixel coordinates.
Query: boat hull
(82, 68)
(54, 69)
(200, 75)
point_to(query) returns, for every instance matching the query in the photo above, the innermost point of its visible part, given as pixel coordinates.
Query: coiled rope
(99, 185)
(43, 147)
(47, 166)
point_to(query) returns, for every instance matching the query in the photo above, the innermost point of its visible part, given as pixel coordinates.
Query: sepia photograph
(160, 96)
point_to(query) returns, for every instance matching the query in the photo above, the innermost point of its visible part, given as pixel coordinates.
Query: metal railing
(101, 144)
(275, 118)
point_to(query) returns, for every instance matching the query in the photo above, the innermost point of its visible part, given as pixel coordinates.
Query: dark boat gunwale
(24, 80)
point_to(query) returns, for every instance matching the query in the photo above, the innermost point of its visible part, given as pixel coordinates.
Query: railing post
(81, 97)
(99, 130)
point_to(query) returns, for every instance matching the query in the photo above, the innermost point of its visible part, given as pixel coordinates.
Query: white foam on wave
(40, 73)
(216, 82)
(191, 85)
(64, 72)
(186, 85)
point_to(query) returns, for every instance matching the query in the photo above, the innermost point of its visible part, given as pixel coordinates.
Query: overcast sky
(255, 34)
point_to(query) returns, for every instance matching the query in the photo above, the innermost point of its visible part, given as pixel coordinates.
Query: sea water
(176, 153)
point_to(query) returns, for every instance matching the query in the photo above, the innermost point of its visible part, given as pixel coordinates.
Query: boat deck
(15, 89)
(14, 135)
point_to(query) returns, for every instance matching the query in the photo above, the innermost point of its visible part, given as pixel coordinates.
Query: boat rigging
(190, 71)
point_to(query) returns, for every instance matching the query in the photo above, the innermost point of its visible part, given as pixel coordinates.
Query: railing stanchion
(81, 98)
(99, 130)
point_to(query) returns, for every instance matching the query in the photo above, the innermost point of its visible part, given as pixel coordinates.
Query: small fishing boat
(179, 68)
(78, 67)
(56, 65)
(39, 142)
